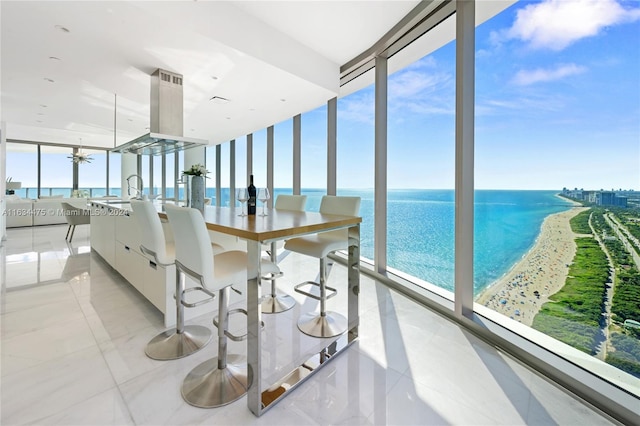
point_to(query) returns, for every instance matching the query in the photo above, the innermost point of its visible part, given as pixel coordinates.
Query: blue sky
(557, 104)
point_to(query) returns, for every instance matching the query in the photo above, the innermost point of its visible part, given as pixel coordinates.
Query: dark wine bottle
(251, 205)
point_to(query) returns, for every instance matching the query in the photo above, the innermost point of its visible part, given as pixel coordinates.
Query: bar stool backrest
(345, 206)
(193, 246)
(153, 238)
(291, 202)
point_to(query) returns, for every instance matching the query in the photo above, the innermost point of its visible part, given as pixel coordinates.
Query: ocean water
(420, 239)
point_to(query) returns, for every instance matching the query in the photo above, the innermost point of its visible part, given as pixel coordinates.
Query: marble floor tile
(45, 344)
(52, 386)
(33, 319)
(74, 333)
(106, 408)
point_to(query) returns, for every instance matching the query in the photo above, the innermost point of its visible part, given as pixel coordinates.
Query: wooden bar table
(280, 225)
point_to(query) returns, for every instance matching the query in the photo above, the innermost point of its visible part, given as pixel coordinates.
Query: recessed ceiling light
(54, 58)
(63, 29)
(49, 80)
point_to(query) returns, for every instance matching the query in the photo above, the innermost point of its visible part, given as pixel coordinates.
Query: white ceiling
(272, 59)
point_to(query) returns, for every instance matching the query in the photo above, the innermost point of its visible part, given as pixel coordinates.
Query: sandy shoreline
(543, 269)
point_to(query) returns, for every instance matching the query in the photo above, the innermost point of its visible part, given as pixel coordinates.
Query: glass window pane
(115, 172)
(92, 175)
(241, 164)
(355, 150)
(260, 158)
(170, 174)
(22, 166)
(551, 113)
(224, 175)
(157, 175)
(314, 151)
(421, 168)
(283, 157)
(56, 170)
(146, 170)
(210, 162)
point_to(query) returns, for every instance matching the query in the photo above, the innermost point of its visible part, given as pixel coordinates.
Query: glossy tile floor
(73, 337)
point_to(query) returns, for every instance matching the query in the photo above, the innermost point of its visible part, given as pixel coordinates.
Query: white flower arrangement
(196, 170)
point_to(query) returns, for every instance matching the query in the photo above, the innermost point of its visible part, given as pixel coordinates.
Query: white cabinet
(127, 231)
(103, 228)
(128, 264)
(156, 278)
(115, 235)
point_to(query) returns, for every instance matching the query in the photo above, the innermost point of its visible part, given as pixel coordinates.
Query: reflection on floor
(73, 337)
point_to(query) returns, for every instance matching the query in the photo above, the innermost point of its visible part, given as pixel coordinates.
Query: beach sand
(543, 269)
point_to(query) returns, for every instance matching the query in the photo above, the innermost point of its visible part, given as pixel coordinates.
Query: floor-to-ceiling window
(210, 163)
(260, 159)
(283, 155)
(557, 107)
(170, 174)
(22, 166)
(355, 158)
(241, 162)
(313, 179)
(421, 168)
(92, 176)
(155, 185)
(56, 171)
(224, 174)
(115, 174)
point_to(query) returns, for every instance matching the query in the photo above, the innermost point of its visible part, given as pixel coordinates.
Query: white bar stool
(182, 340)
(324, 324)
(273, 303)
(224, 379)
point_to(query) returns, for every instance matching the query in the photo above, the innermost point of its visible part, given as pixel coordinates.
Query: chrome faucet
(138, 188)
(184, 180)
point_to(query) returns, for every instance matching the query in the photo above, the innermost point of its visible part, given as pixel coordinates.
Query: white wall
(3, 178)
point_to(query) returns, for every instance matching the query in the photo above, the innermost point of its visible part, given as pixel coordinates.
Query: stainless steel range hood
(166, 119)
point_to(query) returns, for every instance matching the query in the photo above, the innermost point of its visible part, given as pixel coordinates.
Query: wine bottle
(251, 205)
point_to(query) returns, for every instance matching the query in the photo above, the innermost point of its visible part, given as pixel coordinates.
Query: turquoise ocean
(420, 237)
(421, 227)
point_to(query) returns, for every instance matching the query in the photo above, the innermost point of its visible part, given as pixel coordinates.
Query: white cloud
(359, 108)
(556, 24)
(528, 77)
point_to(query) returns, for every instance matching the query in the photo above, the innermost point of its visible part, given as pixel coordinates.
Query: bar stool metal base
(170, 345)
(276, 304)
(207, 386)
(316, 325)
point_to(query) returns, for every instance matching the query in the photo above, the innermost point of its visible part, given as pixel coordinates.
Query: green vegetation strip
(573, 314)
(580, 223)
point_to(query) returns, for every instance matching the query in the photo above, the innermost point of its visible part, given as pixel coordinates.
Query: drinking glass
(243, 197)
(263, 196)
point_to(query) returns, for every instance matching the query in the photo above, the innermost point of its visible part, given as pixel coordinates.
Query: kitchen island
(116, 237)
